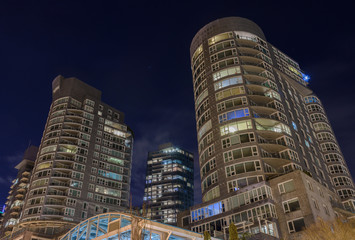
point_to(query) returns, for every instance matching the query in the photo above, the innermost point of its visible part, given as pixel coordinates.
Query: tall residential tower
(16, 198)
(169, 183)
(257, 121)
(83, 166)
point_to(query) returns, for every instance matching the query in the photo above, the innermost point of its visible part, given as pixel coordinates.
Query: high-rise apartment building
(257, 121)
(18, 190)
(169, 183)
(83, 166)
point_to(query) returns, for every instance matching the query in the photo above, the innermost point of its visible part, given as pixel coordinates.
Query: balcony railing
(62, 184)
(56, 193)
(61, 175)
(59, 203)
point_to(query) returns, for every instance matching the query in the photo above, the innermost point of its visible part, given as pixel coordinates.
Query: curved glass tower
(257, 119)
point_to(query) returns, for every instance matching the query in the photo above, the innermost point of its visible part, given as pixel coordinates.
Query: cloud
(3, 180)
(15, 158)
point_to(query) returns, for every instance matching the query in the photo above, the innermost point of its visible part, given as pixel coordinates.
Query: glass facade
(169, 183)
(120, 226)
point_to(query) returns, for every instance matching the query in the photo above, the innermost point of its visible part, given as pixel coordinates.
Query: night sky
(137, 54)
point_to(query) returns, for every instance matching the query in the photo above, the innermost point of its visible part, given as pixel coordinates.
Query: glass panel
(93, 229)
(125, 222)
(114, 237)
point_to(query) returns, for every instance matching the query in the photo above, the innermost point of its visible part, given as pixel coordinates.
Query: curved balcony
(276, 161)
(263, 109)
(15, 214)
(262, 98)
(52, 213)
(71, 123)
(16, 207)
(270, 128)
(249, 51)
(245, 43)
(21, 190)
(20, 196)
(56, 194)
(26, 174)
(69, 135)
(255, 62)
(73, 116)
(272, 146)
(62, 167)
(56, 183)
(70, 141)
(252, 69)
(24, 179)
(255, 77)
(70, 129)
(261, 82)
(53, 203)
(61, 175)
(67, 149)
(259, 88)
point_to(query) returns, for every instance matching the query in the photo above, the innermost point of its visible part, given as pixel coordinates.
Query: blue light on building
(305, 77)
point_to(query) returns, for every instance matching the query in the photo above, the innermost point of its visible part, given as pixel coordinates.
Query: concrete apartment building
(18, 190)
(264, 138)
(83, 166)
(169, 183)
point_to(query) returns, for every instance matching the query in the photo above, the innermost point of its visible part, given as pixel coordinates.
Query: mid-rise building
(83, 166)
(169, 183)
(18, 190)
(258, 120)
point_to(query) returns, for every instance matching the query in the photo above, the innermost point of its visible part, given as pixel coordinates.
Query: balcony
(276, 161)
(273, 116)
(64, 158)
(62, 166)
(26, 174)
(56, 213)
(74, 114)
(16, 207)
(272, 146)
(73, 120)
(20, 196)
(68, 135)
(67, 149)
(56, 193)
(340, 207)
(69, 142)
(24, 179)
(245, 43)
(59, 184)
(55, 203)
(68, 128)
(14, 214)
(21, 190)
(61, 175)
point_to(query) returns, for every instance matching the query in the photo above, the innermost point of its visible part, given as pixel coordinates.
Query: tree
(335, 230)
(233, 233)
(206, 235)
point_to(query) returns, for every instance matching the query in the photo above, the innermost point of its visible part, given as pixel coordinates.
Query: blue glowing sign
(305, 77)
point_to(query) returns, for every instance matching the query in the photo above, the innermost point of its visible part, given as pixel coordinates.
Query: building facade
(257, 120)
(18, 190)
(169, 183)
(83, 166)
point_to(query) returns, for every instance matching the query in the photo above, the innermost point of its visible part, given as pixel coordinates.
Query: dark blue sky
(138, 54)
